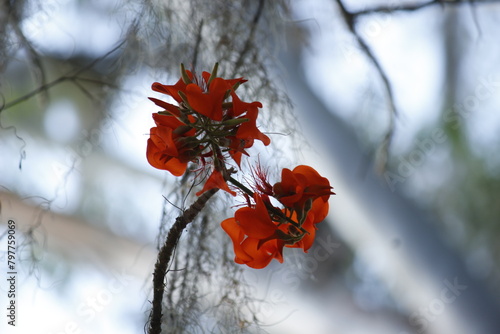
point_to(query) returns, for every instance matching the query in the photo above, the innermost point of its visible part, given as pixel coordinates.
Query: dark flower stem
(164, 258)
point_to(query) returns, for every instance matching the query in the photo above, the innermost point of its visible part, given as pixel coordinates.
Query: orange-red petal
(172, 90)
(256, 222)
(208, 103)
(160, 160)
(249, 131)
(239, 107)
(216, 180)
(262, 256)
(236, 234)
(174, 110)
(300, 185)
(319, 210)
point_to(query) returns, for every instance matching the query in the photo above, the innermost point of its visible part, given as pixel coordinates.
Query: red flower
(231, 83)
(256, 238)
(300, 185)
(256, 222)
(172, 90)
(246, 133)
(239, 107)
(234, 126)
(207, 97)
(208, 103)
(247, 250)
(315, 215)
(171, 144)
(203, 127)
(174, 110)
(259, 232)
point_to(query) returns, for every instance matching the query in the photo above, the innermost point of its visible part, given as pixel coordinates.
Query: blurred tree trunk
(367, 212)
(77, 240)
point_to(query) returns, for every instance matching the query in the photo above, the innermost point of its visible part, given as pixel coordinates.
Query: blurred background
(396, 102)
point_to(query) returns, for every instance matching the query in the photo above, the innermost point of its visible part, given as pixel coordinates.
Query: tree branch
(415, 7)
(350, 19)
(164, 258)
(250, 37)
(197, 45)
(67, 77)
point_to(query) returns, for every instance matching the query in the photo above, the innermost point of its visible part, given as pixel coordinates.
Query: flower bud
(303, 211)
(235, 121)
(185, 76)
(294, 235)
(213, 75)
(308, 205)
(180, 130)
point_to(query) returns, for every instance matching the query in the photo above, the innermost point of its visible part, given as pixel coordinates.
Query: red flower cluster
(260, 231)
(203, 126)
(211, 124)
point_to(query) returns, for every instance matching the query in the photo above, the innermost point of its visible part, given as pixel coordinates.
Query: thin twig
(164, 258)
(32, 54)
(351, 24)
(197, 45)
(250, 37)
(351, 17)
(61, 79)
(415, 7)
(399, 8)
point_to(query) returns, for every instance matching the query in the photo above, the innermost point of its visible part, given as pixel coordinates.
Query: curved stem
(164, 258)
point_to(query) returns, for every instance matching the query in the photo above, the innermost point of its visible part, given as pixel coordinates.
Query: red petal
(172, 90)
(167, 120)
(167, 106)
(319, 210)
(216, 180)
(236, 234)
(249, 130)
(208, 104)
(156, 159)
(256, 222)
(239, 107)
(260, 257)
